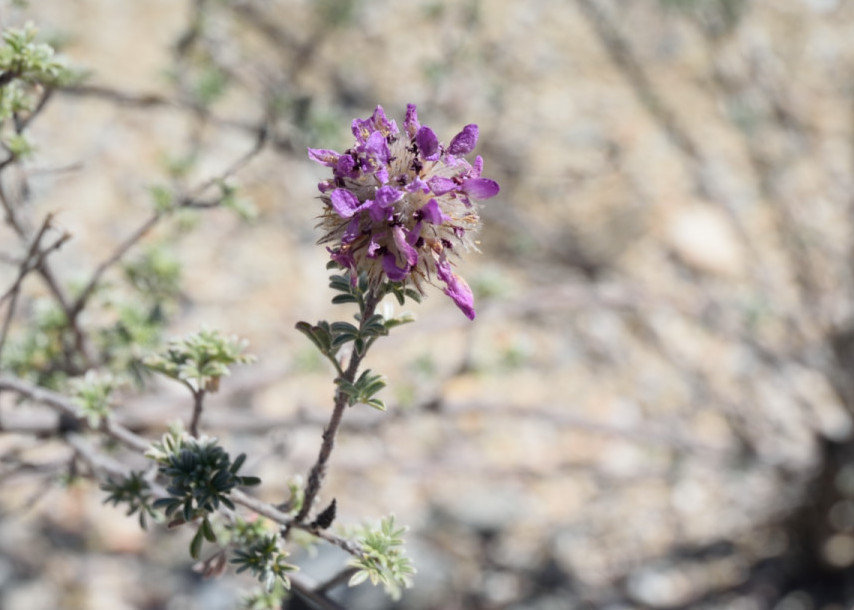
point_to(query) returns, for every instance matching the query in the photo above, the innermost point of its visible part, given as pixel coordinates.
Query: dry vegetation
(654, 407)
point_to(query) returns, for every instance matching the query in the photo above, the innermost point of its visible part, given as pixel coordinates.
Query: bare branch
(198, 403)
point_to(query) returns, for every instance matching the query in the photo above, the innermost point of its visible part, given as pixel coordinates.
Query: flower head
(400, 203)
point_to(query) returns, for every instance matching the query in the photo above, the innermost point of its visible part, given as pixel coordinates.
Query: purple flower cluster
(400, 202)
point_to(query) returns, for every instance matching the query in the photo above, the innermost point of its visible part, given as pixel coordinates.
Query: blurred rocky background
(654, 406)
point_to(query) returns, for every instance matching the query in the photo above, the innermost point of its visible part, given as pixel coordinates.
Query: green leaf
(164, 199)
(345, 328)
(377, 404)
(196, 544)
(358, 578)
(207, 530)
(343, 298)
(238, 462)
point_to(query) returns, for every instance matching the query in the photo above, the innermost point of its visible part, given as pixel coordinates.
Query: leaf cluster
(25, 68)
(31, 62)
(201, 476)
(156, 274)
(170, 444)
(200, 360)
(383, 561)
(330, 338)
(258, 550)
(42, 352)
(265, 560)
(363, 389)
(134, 491)
(92, 394)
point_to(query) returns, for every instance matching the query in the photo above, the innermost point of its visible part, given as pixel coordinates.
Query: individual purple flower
(441, 186)
(465, 141)
(432, 213)
(457, 288)
(344, 203)
(400, 204)
(410, 123)
(428, 143)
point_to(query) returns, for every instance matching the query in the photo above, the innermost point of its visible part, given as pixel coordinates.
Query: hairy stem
(318, 471)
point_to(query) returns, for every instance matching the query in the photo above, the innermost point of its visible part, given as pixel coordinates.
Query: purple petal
(427, 142)
(361, 129)
(410, 123)
(345, 259)
(345, 166)
(352, 231)
(377, 147)
(378, 213)
(457, 288)
(323, 156)
(394, 273)
(477, 167)
(432, 213)
(344, 203)
(480, 188)
(382, 123)
(387, 196)
(413, 235)
(465, 141)
(440, 185)
(418, 184)
(406, 250)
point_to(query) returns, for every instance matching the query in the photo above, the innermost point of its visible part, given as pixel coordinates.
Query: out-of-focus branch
(279, 142)
(129, 439)
(188, 201)
(34, 260)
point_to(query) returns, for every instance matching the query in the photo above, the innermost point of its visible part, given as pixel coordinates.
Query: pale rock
(704, 238)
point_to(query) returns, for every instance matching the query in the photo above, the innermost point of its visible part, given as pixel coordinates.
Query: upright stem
(318, 471)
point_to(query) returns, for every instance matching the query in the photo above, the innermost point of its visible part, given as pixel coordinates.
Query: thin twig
(198, 403)
(155, 100)
(318, 471)
(33, 260)
(116, 256)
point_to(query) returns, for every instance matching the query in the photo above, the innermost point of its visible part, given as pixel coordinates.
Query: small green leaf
(207, 530)
(238, 462)
(358, 578)
(196, 544)
(343, 298)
